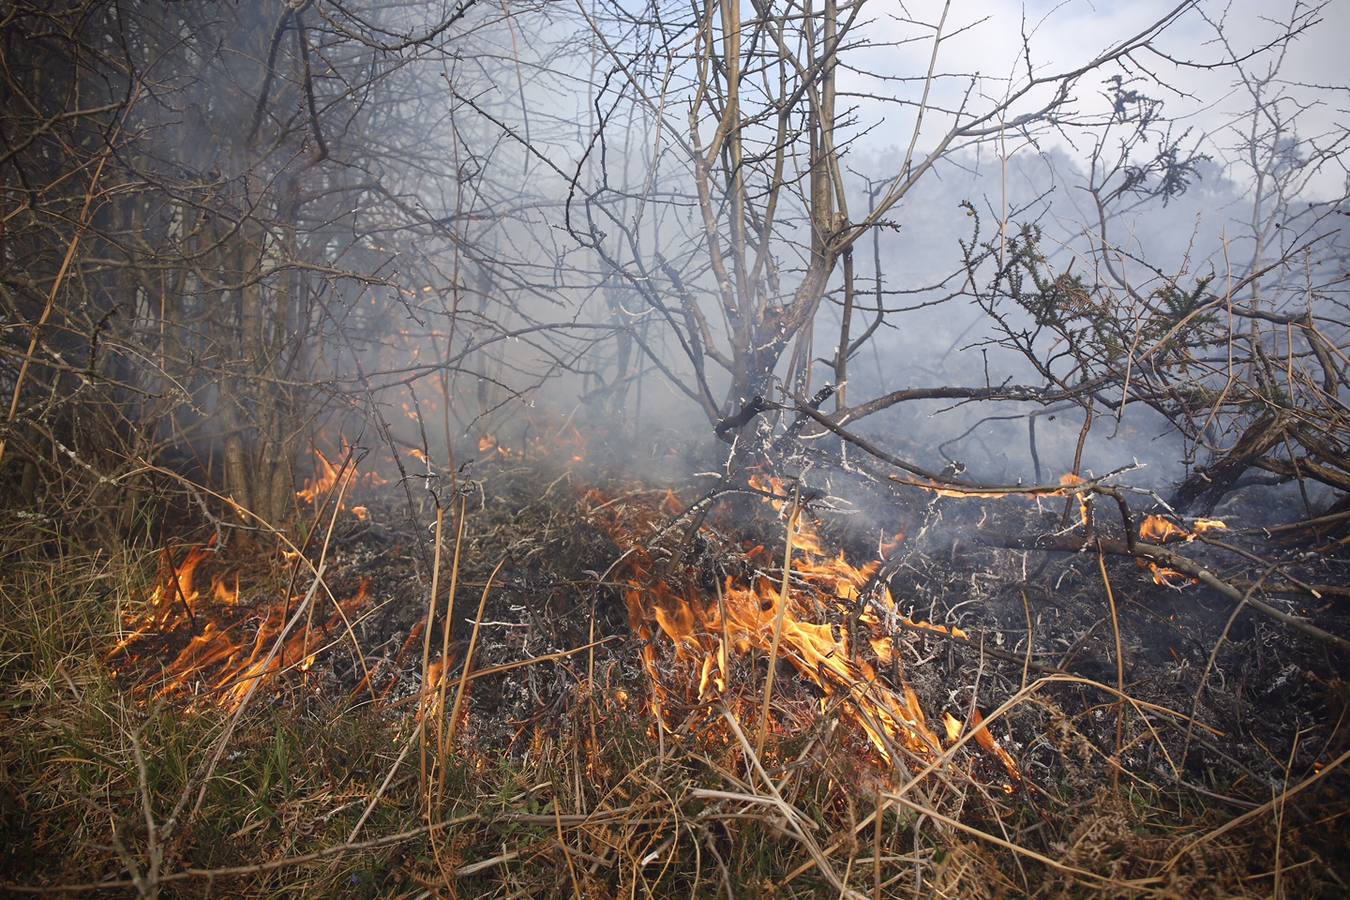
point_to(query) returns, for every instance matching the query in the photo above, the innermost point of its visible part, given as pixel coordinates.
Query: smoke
(445, 222)
(626, 255)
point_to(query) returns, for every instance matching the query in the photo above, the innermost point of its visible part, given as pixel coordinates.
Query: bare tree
(748, 115)
(219, 218)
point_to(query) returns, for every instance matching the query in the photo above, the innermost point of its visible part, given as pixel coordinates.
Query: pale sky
(1066, 34)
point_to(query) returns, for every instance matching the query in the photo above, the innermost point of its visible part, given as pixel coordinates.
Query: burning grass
(835, 623)
(613, 736)
(215, 645)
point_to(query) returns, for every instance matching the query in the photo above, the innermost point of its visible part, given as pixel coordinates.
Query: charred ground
(1114, 788)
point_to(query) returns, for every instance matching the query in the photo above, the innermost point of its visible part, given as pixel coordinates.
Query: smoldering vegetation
(543, 449)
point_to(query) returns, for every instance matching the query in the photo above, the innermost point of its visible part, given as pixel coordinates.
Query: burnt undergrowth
(527, 635)
(1158, 744)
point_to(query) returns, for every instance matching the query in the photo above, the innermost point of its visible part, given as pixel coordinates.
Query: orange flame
(706, 632)
(488, 444)
(230, 646)
(1165, 577)
(1162, 531)
(954, 727)
(1070, 480)
(428, 702)
(323, 482)
(328, 476)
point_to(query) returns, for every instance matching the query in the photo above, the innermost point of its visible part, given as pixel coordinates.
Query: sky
(985, 40)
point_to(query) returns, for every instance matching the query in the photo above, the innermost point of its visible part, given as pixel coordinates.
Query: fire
(542, 438)
(990, 745)
(327, 476)
(428, 701)
(230, 645)
(174, 592)
(488, 444)
(324, 480)
(1166, 577)
(840, 627)
(954, 727)
(1162, 531)
(1071, 480)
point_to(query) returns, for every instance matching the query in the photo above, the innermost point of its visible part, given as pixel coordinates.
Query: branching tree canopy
(226, 226)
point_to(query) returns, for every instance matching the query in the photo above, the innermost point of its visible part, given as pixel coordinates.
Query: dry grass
(103, 790)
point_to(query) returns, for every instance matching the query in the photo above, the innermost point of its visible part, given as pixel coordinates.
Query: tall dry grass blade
(384, 786)
(464, 670)
(1277, 892)
(567, 853)
(1008, 705)
(876, 848)
(426, 651)
(1284, 797)
(447, 629)
(778, 625)
(277, 646)
(1214, 656)
(1026, 660)
(346, 478)
(1114, 884)
(798, 825)
(1120, 666)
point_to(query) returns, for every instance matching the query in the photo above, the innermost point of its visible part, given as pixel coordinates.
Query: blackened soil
(1266, 711)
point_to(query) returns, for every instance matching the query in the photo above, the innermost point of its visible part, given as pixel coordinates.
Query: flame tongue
(1163, 531)
(327, 477)
(838, 626)
(230, 646)
(1160, 530)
